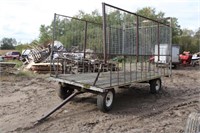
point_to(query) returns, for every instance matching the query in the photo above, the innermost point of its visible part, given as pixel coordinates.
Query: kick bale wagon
(120, 48)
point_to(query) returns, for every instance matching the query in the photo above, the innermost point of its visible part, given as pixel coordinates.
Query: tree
(45, 34)
(150, 13)
(197, 34)
(189, 41)
(8, 43)
(71, 31)
(160, 16)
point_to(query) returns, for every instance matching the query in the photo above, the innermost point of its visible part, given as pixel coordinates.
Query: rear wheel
(64, 91)
(105, 100)
(155, 85)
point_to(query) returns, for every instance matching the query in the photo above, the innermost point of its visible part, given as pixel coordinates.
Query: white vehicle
(175, 55)
(165, 52)
(195, 59)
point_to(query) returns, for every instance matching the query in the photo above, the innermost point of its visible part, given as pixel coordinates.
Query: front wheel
(105, 100)
(155, 85)
(64, 91)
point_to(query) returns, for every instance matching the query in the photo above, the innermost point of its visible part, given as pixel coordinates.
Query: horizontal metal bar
(136, 14)
(138, 55)
(79, 19)
(78, 52)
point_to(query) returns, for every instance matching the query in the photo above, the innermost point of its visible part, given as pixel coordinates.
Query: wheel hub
(157, 85)
(109, 99)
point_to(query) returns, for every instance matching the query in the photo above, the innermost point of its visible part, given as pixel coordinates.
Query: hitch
(59, 106)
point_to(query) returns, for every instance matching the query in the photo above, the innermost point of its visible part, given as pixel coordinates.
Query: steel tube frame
(104, 33)
(52, 47)
(135, 14)
(85, 39)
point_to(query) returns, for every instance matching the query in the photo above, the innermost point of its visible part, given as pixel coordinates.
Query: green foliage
(189, 41)
(150, 13)
(8, 43)
(22, 47)
(24, 74)
(197, 34)
(71, 32)
(160, 16)
(45, 34)
(17, 62)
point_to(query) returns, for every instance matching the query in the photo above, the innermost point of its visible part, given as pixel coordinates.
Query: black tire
(64, 91)
(155, 85)
(193, 123)
(175, 66)
(193, 63)
(105, 100)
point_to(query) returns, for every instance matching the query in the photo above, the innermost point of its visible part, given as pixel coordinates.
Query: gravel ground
(24, 99)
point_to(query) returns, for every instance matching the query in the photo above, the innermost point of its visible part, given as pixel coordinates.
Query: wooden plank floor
(118, 78)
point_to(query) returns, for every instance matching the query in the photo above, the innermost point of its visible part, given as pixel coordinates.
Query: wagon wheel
(193, 123)
(155, 85)
(64, 91)
(105, 100)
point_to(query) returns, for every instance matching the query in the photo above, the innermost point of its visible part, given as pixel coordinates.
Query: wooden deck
(108, 79)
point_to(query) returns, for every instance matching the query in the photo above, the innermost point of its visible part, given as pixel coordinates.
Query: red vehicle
(185, 57)
(12, 55)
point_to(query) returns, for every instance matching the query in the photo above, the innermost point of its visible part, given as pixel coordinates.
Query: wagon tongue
(59, 106)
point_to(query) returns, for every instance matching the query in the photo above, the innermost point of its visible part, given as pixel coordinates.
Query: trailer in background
(175, 56)
(165, 50)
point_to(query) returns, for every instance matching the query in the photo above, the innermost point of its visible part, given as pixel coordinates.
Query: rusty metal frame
(137, 64)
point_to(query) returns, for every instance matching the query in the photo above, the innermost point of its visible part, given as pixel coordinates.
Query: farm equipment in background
(185, 58)
(195, 59)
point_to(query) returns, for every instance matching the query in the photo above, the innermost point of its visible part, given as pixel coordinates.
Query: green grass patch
(17, 62)
(26, 74)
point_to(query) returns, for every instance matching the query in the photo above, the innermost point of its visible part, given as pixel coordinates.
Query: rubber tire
(101, 101)
(64, 91)
(193, 63)
(193, 123)
(153, 84)
(175, 66)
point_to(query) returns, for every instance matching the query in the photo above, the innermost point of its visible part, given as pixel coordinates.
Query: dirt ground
(24, 99)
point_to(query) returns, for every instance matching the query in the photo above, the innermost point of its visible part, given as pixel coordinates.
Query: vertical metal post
(64, 66)
(111, 69)
(158, 41)
(137, 44)
(52, 46)
(130, 67)
(170, 41)
(104, 32)
(124, 67)
(123, 39)
(85, 39)
(118, 73)
(137, 38)
(109, 42)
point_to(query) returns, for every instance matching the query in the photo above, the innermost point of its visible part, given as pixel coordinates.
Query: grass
(25, 74)
(17, 62)
(17, 75)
